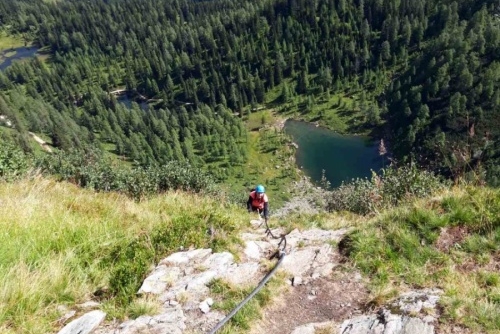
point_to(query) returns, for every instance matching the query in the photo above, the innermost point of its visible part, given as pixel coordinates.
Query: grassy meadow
(8, 41)
(269, 162)
(339, 109)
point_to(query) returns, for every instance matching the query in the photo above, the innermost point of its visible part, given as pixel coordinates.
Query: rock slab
(85, 324)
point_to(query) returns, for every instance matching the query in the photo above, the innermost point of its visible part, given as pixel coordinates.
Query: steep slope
(62, 245)
(65, 247)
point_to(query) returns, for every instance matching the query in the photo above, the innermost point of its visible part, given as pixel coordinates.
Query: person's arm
(249, 203)
(266, 210)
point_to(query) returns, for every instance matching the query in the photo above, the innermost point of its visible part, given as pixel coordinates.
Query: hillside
(422, 75)
(64, 246)
(130, 138)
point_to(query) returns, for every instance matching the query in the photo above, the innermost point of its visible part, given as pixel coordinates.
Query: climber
(258, 201)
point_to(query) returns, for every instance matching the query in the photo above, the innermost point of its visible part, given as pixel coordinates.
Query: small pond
(7, 57)
(342, 157)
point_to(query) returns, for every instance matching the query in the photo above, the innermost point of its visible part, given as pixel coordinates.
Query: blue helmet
(260, 189)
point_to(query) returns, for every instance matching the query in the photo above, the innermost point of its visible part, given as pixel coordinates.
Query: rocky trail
(320, 293)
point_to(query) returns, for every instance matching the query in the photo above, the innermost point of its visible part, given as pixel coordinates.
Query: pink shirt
(258, 202)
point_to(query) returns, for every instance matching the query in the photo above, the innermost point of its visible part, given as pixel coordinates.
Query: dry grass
(55, 237)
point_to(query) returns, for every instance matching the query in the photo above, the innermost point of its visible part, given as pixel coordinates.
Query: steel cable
(266, 278)
(250, 296)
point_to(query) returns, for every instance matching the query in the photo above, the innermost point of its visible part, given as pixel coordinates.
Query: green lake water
(342, 157)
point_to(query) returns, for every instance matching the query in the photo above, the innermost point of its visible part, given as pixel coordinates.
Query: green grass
(269, 160)
(336, 110)
(9, 54)
(400, 247)
(8, 41)
(340, 107)
(110, 151)
(60, 244)
(228, 297)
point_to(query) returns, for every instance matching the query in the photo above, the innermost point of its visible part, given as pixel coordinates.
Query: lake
(342, 157)
(7, 57)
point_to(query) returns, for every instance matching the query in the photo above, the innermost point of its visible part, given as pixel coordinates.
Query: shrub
(400, 183)
(353, 197)
(13, 162)
(131, 264)
(88, 168)
(393, 186)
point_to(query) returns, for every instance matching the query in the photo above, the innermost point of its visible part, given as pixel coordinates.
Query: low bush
(393, 186)
(88, 168)
(13, 162)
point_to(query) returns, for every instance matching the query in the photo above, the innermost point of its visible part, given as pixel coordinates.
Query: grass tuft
(229, 296)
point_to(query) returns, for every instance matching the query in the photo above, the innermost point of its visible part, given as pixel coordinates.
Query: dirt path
(42, 142)
(335, 298)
